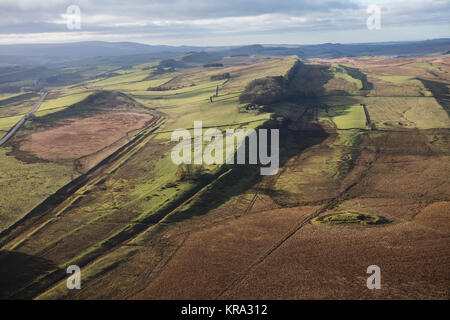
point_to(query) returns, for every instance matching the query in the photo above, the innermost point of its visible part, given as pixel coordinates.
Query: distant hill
(337, 50)
(63, 52)
(407, 48)
(202, 57)
(32, 54)
(263, 50)
(88, 49)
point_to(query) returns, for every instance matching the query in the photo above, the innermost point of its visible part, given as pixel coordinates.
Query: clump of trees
(265, 91)
(162, 70)
(158, 89)
(211, 65)
(272, 90)
(171, 63)
(9, 89)
(105, 75)
(221, 76)
(189, 172)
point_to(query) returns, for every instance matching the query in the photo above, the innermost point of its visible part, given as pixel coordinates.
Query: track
(19, 124)
(329, 205)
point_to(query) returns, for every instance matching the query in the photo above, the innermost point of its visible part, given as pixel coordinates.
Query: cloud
(175, 21)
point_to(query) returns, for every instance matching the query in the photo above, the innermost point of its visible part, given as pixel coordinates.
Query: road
(19, 124)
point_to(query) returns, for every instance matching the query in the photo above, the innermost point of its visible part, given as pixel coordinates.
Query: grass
(18, 105)
(349, 218)
(69, 97)
(395, 79)
(345, 117)
(409, 112)
(63, 101)
(24, 185)
(345, 153)
(136, 86)
(428, 66)
(402, 83)
(150, 194)
(131, 76)
(9, 122)
(339, 72)
(41, 113)
(403, 112)
(9, 97)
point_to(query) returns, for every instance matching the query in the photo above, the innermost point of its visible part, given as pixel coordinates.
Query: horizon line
(221, 46)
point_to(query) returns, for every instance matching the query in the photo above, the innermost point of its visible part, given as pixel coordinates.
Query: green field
(339, 72)
(345, 117)
(25, 185)
(63, 101)
(8, 122)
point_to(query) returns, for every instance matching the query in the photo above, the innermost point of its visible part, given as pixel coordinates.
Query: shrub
(209, 65)
(189, 172)
(265, 91)
(221, 76)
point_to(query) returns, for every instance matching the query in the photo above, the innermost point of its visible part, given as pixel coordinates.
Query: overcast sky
(226, 22)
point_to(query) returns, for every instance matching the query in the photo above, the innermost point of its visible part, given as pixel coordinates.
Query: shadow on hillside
(357, 74)
(313, 81)
(17, 270)
(309, 82)
(243, 177)
(440, 91)
(18, 98)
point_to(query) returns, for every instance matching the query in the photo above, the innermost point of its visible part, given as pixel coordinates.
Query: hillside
(363, 179)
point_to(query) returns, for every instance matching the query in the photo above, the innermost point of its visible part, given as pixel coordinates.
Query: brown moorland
(81, 137)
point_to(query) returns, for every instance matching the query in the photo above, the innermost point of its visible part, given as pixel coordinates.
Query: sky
(221, 23)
